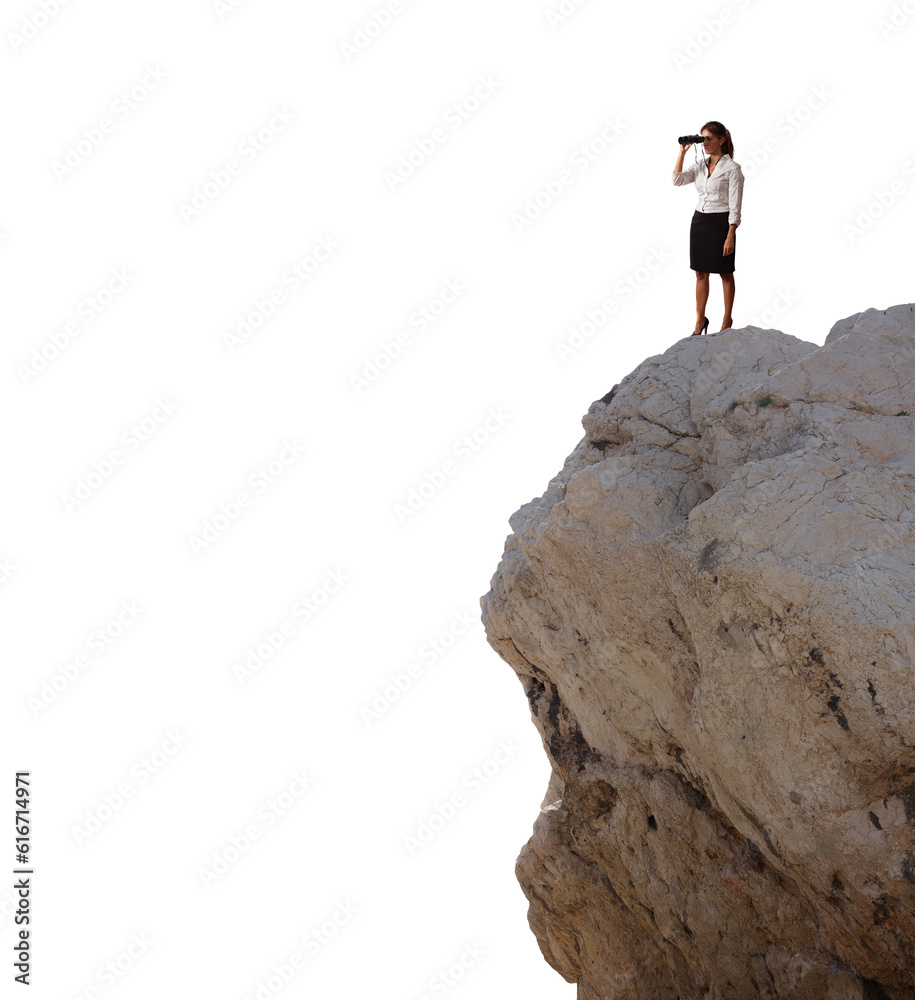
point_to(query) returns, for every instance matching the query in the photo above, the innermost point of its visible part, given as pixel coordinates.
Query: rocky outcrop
(712, 613)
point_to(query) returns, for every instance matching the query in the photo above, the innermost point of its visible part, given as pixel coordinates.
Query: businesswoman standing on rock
(711, 234)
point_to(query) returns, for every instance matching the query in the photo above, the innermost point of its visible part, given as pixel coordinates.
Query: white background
(815, 245)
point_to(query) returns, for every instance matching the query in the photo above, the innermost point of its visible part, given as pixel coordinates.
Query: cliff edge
(712, 613)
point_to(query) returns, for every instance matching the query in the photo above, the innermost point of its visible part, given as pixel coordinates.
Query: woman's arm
(682, 176)
(735, 200)
(735, 196)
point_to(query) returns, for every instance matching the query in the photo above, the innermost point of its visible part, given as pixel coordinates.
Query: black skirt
(707, 233)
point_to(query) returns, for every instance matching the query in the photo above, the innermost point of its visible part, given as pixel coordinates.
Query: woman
(715, 221)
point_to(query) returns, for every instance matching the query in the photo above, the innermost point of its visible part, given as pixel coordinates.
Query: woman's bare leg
(727, 286)
(701, 298)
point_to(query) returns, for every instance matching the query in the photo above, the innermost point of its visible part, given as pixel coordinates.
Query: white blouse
(722, 192)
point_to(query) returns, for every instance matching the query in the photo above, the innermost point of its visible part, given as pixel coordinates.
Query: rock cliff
(712, 613)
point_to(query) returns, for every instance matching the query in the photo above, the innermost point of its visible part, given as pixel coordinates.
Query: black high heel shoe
(698, 333)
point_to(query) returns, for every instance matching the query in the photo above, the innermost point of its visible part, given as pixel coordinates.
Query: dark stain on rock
(553, 711)
(614, 895)
(592, 801)
(532, 667)
(908, 867)
(707, 557)
(756, 856)
(674, 629)
(817, 656)
(835, 680)
(833, 704)
(724, 634)
(696, 796)
(600, 445)
(610, 394)
(874, 819)
(873, 991)
(652, 823)
(572, 753)
(881, 913)
(762, 831)
(907, 797)
(534, 689)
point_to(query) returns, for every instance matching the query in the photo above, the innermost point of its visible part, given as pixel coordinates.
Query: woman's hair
(717, 129)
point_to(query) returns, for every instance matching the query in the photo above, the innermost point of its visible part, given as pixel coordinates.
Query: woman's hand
(729, 244)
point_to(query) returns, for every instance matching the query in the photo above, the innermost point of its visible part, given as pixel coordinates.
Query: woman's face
(711, 143)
